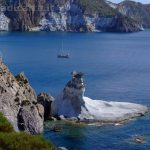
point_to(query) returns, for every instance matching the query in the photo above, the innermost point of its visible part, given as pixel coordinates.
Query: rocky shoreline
(27, 112)
(67, 16)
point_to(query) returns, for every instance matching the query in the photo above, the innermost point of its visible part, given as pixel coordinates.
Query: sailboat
(62, 54)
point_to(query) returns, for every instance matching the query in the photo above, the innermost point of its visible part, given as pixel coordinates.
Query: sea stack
(72, 103)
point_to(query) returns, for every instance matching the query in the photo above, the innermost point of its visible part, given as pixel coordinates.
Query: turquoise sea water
(116, 67)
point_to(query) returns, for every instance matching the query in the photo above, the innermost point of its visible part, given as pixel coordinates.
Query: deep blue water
(116, 67)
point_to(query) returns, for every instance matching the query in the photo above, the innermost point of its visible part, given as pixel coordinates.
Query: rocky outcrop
(45, 100)
(72, 104)
(118, 23)
(18, 102)
(29, 119)
(136, 11)
(68, 15)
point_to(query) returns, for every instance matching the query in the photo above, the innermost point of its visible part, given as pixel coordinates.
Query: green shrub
(23, 141)
(11, 140)
(5, 126)
(97, 6)
(25, 103)
(21, 80)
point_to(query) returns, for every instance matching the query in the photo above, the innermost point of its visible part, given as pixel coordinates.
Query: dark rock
(45, 100)
(56, 129)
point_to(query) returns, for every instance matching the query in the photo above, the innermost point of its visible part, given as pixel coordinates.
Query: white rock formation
(72, 104)
(70, 17)
(4, 22)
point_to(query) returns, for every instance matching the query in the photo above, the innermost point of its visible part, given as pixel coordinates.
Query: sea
(116, 67)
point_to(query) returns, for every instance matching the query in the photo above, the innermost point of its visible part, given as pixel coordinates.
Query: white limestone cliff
(71, 17)
(72, 103)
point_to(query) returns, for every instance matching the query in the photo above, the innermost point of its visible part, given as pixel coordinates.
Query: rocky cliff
(72, 104)
(18, 102)
(136, 10)
(68, 15)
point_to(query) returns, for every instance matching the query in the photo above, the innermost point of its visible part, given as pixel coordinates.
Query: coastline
(139, 126)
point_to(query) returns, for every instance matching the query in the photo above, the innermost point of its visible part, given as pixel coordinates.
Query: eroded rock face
(4, 22)
(72, 103)
(18, 101)
(29, 119)
(71, 99)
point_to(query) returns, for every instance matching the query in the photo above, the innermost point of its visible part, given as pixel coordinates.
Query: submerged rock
(56, 129)
(62, 148)
(72, 103)
(138, 139)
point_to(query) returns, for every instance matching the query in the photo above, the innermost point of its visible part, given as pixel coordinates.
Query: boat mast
(1, 57)
(62, 46)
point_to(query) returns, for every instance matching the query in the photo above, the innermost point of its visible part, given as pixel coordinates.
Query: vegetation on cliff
(97, 6)
(5, 126)
(11, 140)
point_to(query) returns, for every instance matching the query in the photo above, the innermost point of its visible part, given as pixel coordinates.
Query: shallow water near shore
(116, 67)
